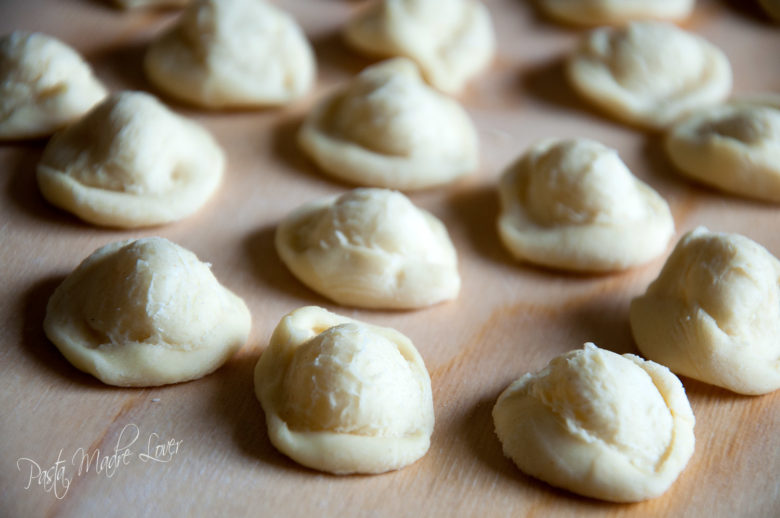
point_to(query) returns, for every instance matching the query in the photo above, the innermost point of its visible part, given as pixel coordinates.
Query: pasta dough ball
(450, 41)
(388, 129)
(343, 396)
(44, 85)
(131, 162)
(370, 248)
(616, 12)
(145, 313)
(573, 204)
(713, 313)
(232, 53)
(139, 4)
(599, 424)
(649, 73)
(735, 147)
(772, 7)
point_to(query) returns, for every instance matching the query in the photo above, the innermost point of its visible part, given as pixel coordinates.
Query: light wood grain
(509, 318)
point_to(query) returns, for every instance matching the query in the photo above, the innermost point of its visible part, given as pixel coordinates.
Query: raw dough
(573, 204)
(616, 12)
(450, 41)
(44, 85)
(232, 54)
(735, 147)
(131, 162)
(599, 424)
(370, 248)
(388, 129)
(343, 396)
(649, 73)
(139, 4)
(772, 7)
(145, 313)
(713, 313)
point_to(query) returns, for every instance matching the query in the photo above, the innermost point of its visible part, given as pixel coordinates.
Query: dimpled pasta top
(450, 41)
(599, 424)
(232, 53)
(734, 146)
(615, 12)
(370, 248)
(386, 128)
(713, 313)
(131, 162)
(573, 204)
(649, 73)
(145, 313)
(44, 85)
(343, 396)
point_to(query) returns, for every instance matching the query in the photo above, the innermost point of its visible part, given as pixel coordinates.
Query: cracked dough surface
(450, 41)
(649, 73)
(343, 396)
(599, 424)
(232, 54)
(44, 85)
(370, 248)
(387, 128)
(713, 313)
(615, 12)
(131, 162)
(734, 147)
(573, 204)
(145, 313)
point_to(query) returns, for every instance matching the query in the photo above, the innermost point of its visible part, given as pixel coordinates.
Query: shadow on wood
(37, 346)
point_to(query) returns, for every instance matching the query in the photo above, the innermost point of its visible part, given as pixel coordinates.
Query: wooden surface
(509, 318)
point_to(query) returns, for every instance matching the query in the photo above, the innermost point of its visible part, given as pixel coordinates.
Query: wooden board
(509, 318)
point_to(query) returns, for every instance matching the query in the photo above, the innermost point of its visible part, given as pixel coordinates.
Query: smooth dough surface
(131, 162)
(734, 147)
(772, 7)
(44, 85)
(573, 204)
(649, 73)
(232, 54)
(343, 396)
(450, 41)
(387, 128)
(599, 424)
(145, 313)
(370, 248)
(615, 12)
(713, 313)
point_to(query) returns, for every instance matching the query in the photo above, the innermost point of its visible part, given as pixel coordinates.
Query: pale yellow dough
(145, 313)
(649, 73)
(232, 54)
(451, 41)
(44, 85)
(370, 248)
(573, 204)
(772, 7)
(142, 4)
(713, 313)
(343, 396)
(387, 128)
(602, 425)
(616, 12)
(131, 162)
(734, 147)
